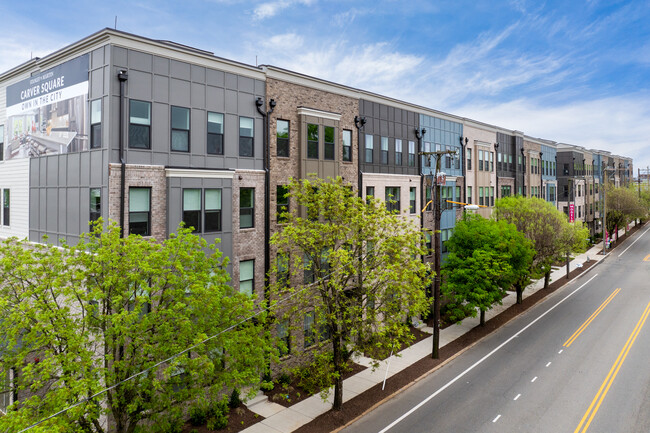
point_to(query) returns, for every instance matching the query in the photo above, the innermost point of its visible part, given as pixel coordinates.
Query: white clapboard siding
(14, 175)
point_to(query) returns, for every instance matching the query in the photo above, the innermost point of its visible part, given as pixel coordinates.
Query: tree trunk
(338, 383)
(520, 294)
(482, 318)
(547, 279)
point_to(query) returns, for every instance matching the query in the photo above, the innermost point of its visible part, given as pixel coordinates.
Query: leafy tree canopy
(78, 319)
(355, 270)
(485, 258)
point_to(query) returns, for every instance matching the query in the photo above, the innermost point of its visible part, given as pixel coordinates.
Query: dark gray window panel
(392, 123)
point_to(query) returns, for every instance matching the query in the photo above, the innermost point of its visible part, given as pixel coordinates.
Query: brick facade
(152, 176)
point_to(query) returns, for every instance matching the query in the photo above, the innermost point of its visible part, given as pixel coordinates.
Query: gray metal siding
(59, 185)
(386, 121)
(166, 82)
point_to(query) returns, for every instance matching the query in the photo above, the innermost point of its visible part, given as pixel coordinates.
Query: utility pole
(436, 236)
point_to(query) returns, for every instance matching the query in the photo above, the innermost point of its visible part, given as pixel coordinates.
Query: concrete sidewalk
(279, 419)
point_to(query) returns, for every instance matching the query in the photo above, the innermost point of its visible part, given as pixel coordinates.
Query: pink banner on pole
(572, 213)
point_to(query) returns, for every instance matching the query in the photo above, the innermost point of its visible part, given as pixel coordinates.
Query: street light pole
(436, 236)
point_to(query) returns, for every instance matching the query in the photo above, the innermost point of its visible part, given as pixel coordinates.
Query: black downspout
(557, 185)
(419, 135)
(540, 167)
(496, 151)
(359, 122)
(122, 76)
(267, 187)
(462, 163)
(523, 172)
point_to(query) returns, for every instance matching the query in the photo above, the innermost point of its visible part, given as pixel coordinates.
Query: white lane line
(497, 418)
(516, 397)
(470, 368)
(549, 363)
(560, 351)
(534, 379)
(646, 231)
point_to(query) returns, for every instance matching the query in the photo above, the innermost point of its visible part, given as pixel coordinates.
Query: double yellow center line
(607, 383)
(590, 319)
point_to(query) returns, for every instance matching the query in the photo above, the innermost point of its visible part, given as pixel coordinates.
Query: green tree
(623, 205)
(547, 229)
(485, 258)
(356, 271)
(76, 320)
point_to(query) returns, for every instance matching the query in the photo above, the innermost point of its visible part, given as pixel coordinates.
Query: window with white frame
(246, 276)
(369, 148)
(215, 134)
(140, 211)
(95, 124)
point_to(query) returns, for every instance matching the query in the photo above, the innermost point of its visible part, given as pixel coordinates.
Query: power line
(105, 390)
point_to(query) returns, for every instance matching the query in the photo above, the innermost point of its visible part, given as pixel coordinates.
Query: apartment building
(152, 134)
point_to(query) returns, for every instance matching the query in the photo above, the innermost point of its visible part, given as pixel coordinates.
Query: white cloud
(269, 9)
(616, 124)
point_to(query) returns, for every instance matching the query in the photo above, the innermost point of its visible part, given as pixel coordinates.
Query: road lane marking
(647, 258)
(590, 319)
(607, 383)
(471, 367)
(646, 230)
(561, 350)
(497, 418)
(549, 363)
(534, 379)
(516, 397)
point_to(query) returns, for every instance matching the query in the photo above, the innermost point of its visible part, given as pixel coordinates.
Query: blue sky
(570, 71)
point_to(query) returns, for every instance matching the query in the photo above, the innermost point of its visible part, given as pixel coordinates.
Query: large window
(2, 142)
(246, 208)
(309, 333)
(491, 161)
(215, 133)
(140, 211)
(96, 124)
(212, 212)
(370, 193)
(282, 330)
(246, 276)
(384, 150)
(412, 195)
(282, 203)
(469, 158)
(411, 153)
(192, 209)
(369, 148)
(282, 137)
(5, 207)
(95, 204)
(139, 124)
(480, 196)
(491, 196)
(246, 135)
(469, 195)
(393, 198)
(312, 141)
(283, 269)
(398, 151)
(480, 160)
(347, 145)
(329, 144)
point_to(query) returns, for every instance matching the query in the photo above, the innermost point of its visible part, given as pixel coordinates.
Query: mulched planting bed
(418, 335)
(331, 421)
(292, 393)
(239, 419)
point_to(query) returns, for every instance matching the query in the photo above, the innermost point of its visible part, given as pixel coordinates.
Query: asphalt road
(577, 362)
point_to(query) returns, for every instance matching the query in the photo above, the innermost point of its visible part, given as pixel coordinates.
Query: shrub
(234, 401)
(198, 415)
